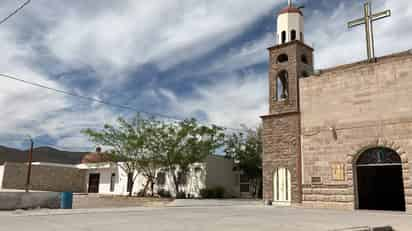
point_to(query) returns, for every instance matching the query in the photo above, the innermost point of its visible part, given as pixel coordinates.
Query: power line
(15, 12)
(87, 97)
(72, 94)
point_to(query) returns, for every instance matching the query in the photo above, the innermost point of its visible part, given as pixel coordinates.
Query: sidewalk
(214, 202)
(221, 216)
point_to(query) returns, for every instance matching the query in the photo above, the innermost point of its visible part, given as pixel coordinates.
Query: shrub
(219, 192)
(181, 195)
(164, 193)
(213, 193)
(141, 193)
(205, 193)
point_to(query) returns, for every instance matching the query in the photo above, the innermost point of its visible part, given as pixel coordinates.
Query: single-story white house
(94, 174)
(216, 171)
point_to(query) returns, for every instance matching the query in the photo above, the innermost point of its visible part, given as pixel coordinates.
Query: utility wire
(101, 101)
(86, 97)
(15, 12)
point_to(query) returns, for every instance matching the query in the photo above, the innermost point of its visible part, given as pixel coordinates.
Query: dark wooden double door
(380, 180)
(94, 181)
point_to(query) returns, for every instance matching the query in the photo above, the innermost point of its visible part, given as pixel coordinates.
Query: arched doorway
(379, 180)
(282, 186)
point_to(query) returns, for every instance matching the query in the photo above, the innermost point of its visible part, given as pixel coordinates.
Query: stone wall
(281, 146)
(295, 68)
(348, 109)
(281, 128)
(1, 175)
(31, 200)
(44, 178)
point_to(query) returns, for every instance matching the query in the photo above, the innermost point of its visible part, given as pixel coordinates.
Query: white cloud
(28, 110)
(231, 102)
(335, 44)
(250, 54)
(113, 37)
(130, 33)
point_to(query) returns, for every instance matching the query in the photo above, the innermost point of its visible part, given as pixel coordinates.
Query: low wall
(44, 177)
(23, 200)
(1, 175)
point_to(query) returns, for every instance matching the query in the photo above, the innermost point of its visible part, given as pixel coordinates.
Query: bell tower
(290, 25)
(290, 60)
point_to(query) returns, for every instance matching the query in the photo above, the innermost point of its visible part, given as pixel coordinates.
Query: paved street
(203, 217)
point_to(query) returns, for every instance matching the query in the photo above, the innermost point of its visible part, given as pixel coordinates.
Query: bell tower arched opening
(282, 86)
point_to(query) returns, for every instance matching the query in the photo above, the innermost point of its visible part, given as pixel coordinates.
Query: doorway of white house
(94, 181)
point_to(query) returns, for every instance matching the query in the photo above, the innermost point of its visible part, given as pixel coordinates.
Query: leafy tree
(246, 149)
(128, 142)
(185, 143)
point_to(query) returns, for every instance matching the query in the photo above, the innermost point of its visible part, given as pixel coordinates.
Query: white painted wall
(106, 170)
(216, 171)
(1, 175)
(288, 22)
(196, 180)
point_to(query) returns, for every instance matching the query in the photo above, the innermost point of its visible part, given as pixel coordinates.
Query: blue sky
(183, 58)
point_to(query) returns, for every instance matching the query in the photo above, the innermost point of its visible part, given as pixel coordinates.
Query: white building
(96, 175)
(216, 171)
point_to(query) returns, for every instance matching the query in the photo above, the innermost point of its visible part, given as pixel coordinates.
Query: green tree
(246, 149)
(184, 143)
(128, 142)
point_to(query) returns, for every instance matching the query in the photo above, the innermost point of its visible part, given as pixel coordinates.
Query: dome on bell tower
(290, 25)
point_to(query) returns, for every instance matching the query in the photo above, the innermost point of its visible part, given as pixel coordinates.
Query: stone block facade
(44, 178)
(295, 69)
(329, 119)
(281, 128)
(346, 110)
(281, 147)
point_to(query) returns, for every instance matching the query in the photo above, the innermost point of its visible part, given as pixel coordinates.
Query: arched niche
(304, 59)
(283, 37)
(282, 86)
(293, 35)
(283, 58)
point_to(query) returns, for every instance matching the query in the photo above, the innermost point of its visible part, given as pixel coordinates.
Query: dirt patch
(104, 201)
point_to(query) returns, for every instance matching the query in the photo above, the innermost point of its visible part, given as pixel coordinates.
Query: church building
(339, 137)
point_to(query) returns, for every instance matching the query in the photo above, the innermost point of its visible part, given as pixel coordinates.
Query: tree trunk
(152, 187)
(257, 187)
(175, 182)
(146, 187)
(131, 189)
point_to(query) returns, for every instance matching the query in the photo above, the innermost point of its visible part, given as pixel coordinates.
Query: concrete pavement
(214, 202)
(223, 217)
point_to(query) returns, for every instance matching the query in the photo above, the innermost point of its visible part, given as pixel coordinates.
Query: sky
(205, 59)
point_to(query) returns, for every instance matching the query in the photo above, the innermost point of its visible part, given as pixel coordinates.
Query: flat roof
(364, 62)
